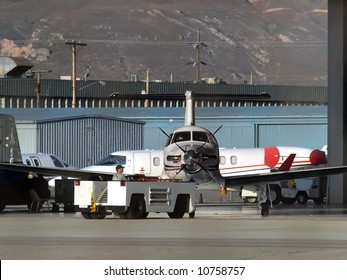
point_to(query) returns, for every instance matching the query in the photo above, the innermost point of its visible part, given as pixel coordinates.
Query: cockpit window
(200, 136)
(181, 136)
(57, 162)
(112, 160)
(204, 137)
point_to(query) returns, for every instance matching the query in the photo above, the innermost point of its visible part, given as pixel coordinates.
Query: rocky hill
(259, 41)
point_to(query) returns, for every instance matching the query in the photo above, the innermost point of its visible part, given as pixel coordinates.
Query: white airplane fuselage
(231, 162)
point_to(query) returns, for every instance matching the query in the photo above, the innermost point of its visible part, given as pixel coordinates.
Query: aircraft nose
(317, 157)
(191, 159)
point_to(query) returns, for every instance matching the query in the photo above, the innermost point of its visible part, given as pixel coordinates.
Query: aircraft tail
(9, 141)
(287, 164)
(190, 109)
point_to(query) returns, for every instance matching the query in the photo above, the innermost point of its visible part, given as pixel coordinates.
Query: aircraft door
(142, 163)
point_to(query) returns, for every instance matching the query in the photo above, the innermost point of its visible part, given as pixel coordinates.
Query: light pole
(73, 45)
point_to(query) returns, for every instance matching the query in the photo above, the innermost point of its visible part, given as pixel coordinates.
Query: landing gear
(265, 200)
(265, 209)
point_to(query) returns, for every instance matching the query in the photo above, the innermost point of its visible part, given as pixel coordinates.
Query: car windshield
(112, 160)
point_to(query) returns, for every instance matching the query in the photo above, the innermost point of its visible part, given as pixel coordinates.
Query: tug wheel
(86, 215)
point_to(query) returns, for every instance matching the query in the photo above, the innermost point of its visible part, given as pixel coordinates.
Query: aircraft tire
(137, 208)
(55, 208)
(264, 209)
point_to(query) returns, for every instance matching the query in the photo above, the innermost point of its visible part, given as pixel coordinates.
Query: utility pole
(197, 45)
(74, 45)
(37, 88)
(148, 77)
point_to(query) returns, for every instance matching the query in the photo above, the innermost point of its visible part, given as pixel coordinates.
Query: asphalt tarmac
(218, 232)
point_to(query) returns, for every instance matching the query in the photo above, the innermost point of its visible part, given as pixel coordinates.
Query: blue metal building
(84, 136)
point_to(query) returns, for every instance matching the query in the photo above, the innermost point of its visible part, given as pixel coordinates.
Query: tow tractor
(134, 200)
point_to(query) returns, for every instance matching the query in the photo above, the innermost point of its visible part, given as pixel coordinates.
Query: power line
(179, 43)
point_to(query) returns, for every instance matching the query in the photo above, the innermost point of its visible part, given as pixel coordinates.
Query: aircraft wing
(282, 175)
(50, 171)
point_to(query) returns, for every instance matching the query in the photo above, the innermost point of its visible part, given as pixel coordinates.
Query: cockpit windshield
(181, 136)
(202, 136)
(112, 160)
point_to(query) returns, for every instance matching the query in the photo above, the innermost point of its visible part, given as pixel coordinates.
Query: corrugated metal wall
(55, 89)
(301, 135)
(84, 141)
(248, 132)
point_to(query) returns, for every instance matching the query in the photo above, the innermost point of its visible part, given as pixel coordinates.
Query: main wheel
(264, 209)
(137, 208)
(55, 208)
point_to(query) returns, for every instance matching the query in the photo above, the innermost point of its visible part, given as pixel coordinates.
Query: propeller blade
(217, 129)
(213, 177)
(179, 171)
(207, 139)
(164, 132)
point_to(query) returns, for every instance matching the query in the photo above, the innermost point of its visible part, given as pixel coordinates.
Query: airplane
(192, 159)
(44, 159)
(192, 153)
(150, 163)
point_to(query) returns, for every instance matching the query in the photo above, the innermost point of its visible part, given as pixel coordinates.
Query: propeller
(193, 158)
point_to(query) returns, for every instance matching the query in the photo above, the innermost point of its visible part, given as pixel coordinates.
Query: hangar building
(84, 136)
